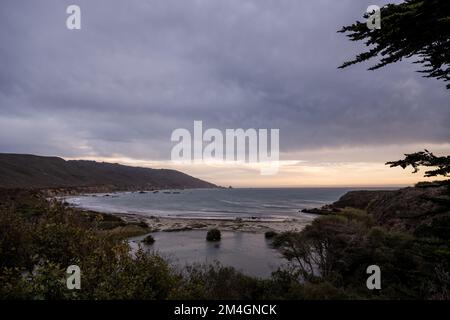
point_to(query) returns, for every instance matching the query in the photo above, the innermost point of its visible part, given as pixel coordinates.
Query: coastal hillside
(30, 171)
(412, 208)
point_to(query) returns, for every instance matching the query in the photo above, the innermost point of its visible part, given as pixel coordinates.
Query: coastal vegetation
(270, 234)
(213, 235)
(40, 238)
(148, 240)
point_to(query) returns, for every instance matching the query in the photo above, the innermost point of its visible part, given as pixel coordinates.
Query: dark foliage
(331, 256)
(148, 240)
(213, 235)
(270, 234)
(425, 159)
(414, 28)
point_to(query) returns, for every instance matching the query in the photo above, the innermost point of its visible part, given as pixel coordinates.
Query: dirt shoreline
(166, 224)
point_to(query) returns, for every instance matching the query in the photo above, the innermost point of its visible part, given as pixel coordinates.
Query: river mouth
(247, 252)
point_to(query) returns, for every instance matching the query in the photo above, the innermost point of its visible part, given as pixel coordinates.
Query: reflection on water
(250, 253)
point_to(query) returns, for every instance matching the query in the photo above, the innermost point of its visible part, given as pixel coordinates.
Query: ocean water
(263, 204)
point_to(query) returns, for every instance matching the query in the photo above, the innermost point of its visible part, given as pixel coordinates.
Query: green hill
(30, 171)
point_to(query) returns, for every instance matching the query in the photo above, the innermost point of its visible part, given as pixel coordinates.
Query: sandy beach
(242, 225)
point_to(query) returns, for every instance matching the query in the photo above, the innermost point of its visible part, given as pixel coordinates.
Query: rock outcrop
(406, 208)
(409, 207)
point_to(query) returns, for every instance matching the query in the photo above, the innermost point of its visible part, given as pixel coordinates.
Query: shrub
(148, 240)
(213, 235)
(215, 281)
(270, 234)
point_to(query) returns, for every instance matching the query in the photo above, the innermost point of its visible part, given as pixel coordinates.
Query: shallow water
(250, 253)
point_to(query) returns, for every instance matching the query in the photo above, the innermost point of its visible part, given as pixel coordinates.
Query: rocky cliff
(406, 208)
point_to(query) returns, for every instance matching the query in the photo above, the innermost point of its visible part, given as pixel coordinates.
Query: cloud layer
(140, 69)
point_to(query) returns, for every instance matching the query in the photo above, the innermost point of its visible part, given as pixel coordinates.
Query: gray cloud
(139, 69)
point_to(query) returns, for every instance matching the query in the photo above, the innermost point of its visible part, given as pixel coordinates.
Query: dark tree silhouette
(425, 159)
(414, 28)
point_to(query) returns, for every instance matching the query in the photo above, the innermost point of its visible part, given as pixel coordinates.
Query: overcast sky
(116, 89)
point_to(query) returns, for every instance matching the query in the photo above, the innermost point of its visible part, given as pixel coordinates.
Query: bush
(270, 234)
(217, 282)
(148, 240)
(213, 235)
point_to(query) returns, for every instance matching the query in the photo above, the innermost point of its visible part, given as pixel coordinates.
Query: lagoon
(248, 252)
